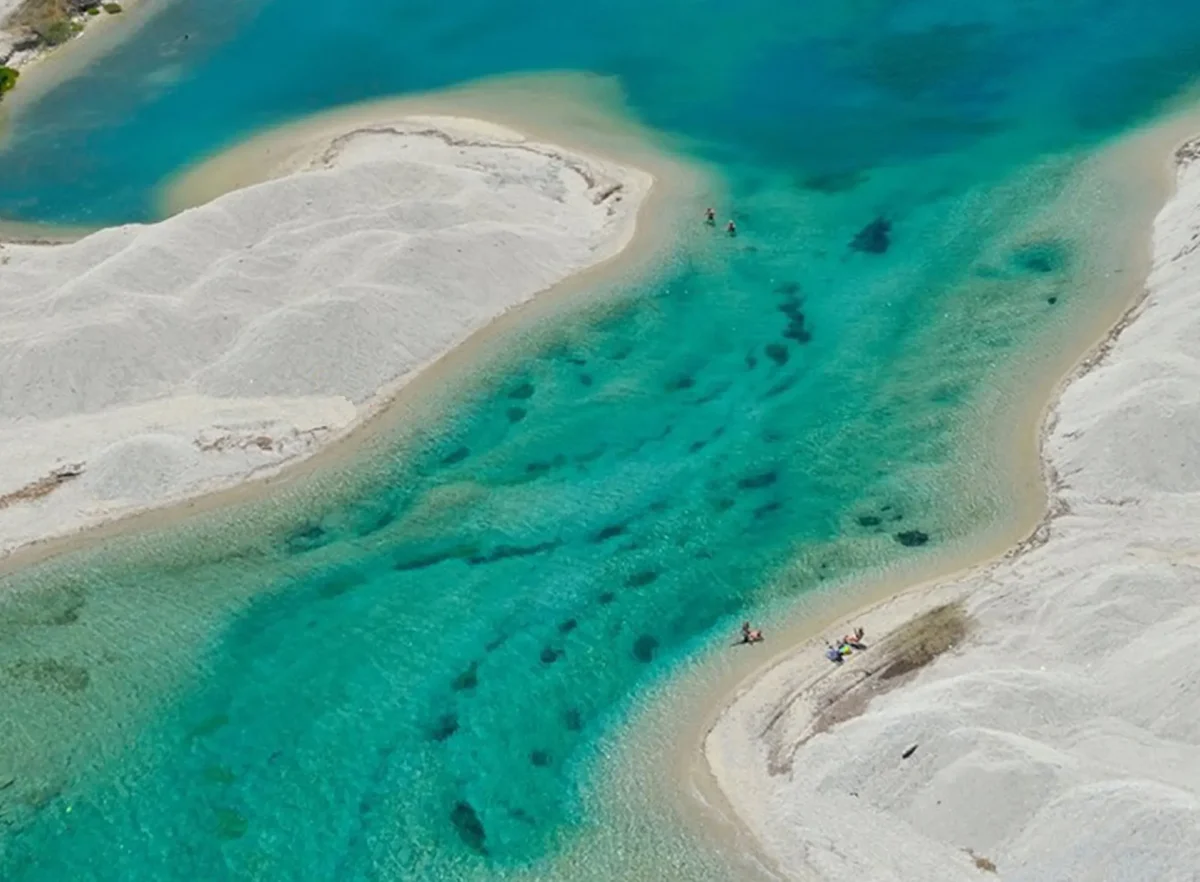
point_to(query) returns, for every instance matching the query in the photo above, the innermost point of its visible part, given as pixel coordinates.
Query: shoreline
(677, 717)
(796, 671)
(44, 66)
(575, 112)
(630, 251)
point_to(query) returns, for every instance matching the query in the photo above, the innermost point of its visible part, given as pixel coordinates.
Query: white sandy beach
(168, 360)
(1061, 740)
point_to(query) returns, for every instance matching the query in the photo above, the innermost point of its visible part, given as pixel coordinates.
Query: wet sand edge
(398, 411)
(1149, 154)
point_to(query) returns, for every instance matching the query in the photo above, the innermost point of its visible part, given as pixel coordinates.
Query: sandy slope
(1062, 741)
(169, 359)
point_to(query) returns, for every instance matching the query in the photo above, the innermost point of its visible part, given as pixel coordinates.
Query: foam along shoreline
(143, 365)
(1061, 738)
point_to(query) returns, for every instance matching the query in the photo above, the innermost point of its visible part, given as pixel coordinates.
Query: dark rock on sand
(456, 456)
(644, 648)
(468, 679)
(641, 579)
(778, 353)
(446, 726)
(522, 392)
(610, 532)
(469, 828)
(757, 482)
(1042, 257)
(874, 238)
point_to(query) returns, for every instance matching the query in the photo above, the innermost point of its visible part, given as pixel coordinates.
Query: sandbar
(146, 364)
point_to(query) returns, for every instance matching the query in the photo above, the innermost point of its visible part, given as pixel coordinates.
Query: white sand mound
(174, 358)
(1061, 743)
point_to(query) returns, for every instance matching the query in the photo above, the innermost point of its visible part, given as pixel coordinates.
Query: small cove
(588, 514)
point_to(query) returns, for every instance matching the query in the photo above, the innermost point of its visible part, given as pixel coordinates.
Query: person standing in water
(731, 228)
(710, 217)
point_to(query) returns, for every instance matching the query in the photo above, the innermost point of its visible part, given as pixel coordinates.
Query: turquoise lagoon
(416, 664)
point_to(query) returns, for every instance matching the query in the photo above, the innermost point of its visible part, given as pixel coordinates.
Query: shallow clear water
(411, 668)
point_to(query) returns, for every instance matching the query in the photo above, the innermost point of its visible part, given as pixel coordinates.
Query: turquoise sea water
(409, 668)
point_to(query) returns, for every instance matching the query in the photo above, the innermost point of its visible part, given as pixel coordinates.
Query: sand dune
(170, 359)
(1061, 739)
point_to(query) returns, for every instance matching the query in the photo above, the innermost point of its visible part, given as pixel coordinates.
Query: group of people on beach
(848, 643)
(836, 654)
(710, 218)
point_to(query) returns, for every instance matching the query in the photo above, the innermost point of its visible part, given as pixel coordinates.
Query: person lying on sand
(834, 655)
(751, 635)
(855, 639)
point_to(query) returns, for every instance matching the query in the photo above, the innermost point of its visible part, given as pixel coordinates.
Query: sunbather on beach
(751, 635)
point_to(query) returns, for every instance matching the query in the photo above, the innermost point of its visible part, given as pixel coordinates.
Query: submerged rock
(610, 532)
(757, 482)
(522, 392)
(644, 648)
(469, 828)
(468, 679)
(230, 824)
(641, 579)
(1042, 257)
(792, 308)
(456, 456)
(446, 726)
(874, 238)
(308, 538)
(778, 353)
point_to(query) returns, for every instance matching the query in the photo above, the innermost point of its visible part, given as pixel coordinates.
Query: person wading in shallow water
(731, 228)
(710, 217)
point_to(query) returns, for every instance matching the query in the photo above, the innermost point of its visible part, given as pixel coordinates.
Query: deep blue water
(818, 87)
(257, 695)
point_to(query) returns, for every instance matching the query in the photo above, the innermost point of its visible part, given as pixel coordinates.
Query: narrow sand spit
(144, 364)
(1060, 740)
